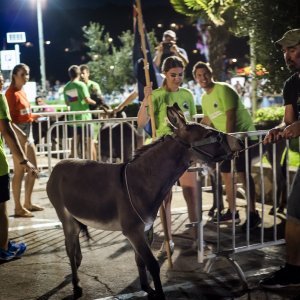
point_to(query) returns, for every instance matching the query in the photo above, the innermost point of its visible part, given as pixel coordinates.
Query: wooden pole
(148, 83)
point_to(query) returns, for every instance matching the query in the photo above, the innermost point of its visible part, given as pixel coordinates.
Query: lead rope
(129, 196)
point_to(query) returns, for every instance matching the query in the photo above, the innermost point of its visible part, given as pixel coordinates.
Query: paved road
(108, 270)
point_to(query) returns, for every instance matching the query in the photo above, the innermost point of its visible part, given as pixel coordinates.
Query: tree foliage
(111, 65)
(264, 20)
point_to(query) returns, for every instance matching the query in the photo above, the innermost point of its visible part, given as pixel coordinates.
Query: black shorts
(4, 188)
(25, 127)
(240, 161)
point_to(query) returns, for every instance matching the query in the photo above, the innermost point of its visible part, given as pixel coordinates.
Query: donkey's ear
(176, 116)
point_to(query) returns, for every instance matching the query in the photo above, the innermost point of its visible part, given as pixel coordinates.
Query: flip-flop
(23, 214)
(34, 207)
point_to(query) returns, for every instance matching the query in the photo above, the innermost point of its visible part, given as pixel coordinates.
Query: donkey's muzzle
(216, 148)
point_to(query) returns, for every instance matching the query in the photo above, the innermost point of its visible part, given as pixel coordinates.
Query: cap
(290, 38)
(170, 33)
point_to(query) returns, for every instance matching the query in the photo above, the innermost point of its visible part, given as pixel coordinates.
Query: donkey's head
(207, 143)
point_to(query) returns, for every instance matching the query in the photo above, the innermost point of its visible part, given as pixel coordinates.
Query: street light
(41, 44)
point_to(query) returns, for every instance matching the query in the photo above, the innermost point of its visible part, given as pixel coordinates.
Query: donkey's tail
(85, 231)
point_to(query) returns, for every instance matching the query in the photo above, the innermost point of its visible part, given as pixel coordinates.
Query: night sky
(63, 21)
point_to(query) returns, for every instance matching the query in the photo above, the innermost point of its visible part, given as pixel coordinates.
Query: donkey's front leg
(142, 249)
(143, 275)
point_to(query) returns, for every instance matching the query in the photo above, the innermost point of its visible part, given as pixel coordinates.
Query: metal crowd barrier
(228, 240)
(114, 139)
(59, 142)
(39, 133)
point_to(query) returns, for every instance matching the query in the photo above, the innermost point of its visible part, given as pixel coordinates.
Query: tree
(263, 21)
(110, 65)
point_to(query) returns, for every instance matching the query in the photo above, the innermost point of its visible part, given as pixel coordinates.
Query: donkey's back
(87, 191)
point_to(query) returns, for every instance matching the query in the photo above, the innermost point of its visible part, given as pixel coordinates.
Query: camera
(167, 46)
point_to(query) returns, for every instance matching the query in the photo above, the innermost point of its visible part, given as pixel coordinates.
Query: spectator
(239, 88)
(21, 115)
(168, 47)
(289, 275)
(40, 125)
(94, 90)
(168, 94)
(223, 109)
(77, 97)
(9, 249)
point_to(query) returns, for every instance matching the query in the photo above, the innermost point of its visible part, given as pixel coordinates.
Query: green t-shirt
(221, 99)
(93, 87)
(74, 93)
(4, 115)
(162, 98)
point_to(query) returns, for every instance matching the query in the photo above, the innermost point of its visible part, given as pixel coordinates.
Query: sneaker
(255, 220)
(211, 211)
(162, 253)
(281, 279)
(17, 248)
(227, 217)
(6, 255)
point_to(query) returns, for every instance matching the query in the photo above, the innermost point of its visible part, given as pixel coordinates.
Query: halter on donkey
(121, 202)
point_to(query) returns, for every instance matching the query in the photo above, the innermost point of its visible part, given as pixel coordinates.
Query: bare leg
(188, 184)
(3, 226)
(91, 149)
(252, 201)
(30, 178)
(292, 233)
(16, 187)
(167, 205)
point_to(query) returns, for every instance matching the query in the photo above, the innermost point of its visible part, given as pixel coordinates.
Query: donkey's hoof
(77, 291)
(156, 296)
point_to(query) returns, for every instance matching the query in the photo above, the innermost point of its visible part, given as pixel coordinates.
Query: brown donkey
(121, 202)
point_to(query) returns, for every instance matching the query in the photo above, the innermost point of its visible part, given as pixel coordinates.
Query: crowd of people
(222, 109)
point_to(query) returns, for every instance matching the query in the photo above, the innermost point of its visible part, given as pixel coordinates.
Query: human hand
(148, 91)
(292, 131)
(160, 47)
(30, 168)
(174, 48)
(273, 136)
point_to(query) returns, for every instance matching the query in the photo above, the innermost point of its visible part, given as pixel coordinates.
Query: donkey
(119, 202)
(118, 133)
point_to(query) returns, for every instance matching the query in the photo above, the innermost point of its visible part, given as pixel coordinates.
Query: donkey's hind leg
(144, 257)
(71, 230)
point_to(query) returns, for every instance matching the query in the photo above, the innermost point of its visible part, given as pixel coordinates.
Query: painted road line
(55, 224)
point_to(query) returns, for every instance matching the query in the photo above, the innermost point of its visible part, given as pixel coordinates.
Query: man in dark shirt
(167, 48)
(289, 275)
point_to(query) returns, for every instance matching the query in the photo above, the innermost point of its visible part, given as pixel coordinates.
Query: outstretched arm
(133, 95)
(12, 141)
(278, 132)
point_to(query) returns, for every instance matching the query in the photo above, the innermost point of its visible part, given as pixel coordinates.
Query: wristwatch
(24, 162)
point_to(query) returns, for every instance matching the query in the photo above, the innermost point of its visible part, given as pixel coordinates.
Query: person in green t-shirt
(77, 97)
(168, 94)
(94, 90)
(9, 249)
(223, 110)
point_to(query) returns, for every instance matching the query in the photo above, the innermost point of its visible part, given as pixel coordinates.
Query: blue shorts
(293, 202)
(4, 188)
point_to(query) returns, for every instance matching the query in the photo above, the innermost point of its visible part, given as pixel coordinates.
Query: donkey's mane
(140, 151)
